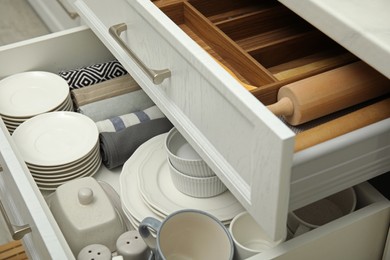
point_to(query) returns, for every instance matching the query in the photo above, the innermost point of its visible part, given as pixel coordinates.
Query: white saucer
(30, 93)
(66, 167)
(60, 179)
(50, 186)
(56, 138)
(51, 175)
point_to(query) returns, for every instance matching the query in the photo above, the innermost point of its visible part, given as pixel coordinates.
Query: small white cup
(187, 234)
(321, 212)
(248, 237)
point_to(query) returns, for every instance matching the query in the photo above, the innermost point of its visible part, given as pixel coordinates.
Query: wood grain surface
(328, 92)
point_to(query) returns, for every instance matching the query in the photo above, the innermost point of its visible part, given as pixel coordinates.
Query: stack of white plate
(58, 147)
(147, 189)
(27, 94)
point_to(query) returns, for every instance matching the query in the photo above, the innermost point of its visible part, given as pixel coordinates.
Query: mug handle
(143, 229)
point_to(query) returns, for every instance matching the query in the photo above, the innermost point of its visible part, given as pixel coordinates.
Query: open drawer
(57, 15)
(25, 204)
(19, 194)
(248, 147)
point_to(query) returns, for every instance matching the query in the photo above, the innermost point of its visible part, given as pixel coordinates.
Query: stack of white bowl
(147, 189)
(27, 94)
(189, 172)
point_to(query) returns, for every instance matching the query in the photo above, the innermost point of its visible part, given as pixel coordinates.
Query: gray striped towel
(118, 123)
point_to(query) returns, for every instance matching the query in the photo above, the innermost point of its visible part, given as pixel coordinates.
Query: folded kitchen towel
(116, 106)
(103, 90)
(93, 74)
(117, 147)
(118, 123)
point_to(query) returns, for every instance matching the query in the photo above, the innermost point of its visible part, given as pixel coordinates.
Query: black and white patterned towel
(93, 74)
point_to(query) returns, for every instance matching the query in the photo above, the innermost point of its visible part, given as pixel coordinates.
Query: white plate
(54, 185)
(157, 189)
(66, 106)
(60, 179)
(31, 93)
(66, 167)
(56, 138)
(57, 175)
(132, 201)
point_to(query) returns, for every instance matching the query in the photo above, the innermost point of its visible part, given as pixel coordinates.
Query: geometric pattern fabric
(96, 73)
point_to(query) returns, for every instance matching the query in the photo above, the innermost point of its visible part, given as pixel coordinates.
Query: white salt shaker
(131, 246)
(95, 252)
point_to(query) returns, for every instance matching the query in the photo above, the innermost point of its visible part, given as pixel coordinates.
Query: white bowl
(184, 158)
(199, 187)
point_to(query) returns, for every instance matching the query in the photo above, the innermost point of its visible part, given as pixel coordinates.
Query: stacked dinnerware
(190, 174)
(58, 147)
(27, 94)
(147, 189)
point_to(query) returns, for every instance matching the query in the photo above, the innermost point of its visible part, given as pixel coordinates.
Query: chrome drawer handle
(72, 15)
(157, 76)
(17, 232)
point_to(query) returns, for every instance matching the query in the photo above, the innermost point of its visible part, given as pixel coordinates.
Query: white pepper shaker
(95, 252)
(131, 246)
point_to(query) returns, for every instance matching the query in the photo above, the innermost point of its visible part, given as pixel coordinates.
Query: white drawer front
(248, 148)
(360, 235)
(58, 15)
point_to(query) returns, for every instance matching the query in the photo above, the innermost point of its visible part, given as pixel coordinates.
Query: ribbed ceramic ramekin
(199, 187)
(184, 158)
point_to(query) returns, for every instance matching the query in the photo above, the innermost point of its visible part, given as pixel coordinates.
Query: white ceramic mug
(248, 237)
(321, 212)
(188, 234)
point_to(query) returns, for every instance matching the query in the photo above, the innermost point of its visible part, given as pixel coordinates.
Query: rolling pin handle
(284, 107)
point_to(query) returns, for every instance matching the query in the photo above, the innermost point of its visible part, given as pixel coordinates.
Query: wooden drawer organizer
(262, 42)
(266, 45)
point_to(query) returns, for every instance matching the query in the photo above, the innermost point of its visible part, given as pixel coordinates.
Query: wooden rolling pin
(344, 124)
(328, 92)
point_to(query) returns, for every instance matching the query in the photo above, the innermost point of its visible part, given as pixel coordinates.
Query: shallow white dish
(66, 106)
(56, 138)
(132, 201)
(30, 93)
(60, 176)
(66, 167)
(51, 186)
(158, 191)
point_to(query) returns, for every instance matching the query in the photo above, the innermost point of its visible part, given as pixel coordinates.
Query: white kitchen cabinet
(365, 35)
(58, 15)
(248, 147)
